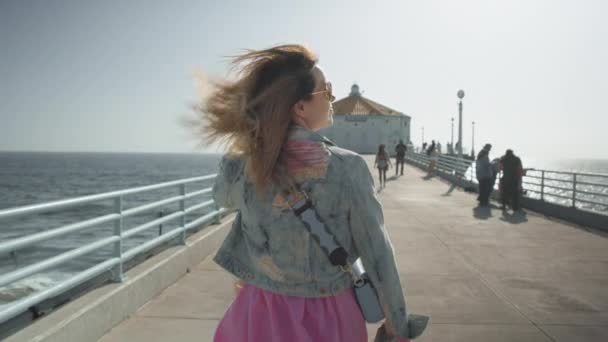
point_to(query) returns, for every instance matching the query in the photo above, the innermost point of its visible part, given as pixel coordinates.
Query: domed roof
(356, 104)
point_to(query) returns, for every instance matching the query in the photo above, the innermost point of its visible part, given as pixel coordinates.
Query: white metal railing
(114, 264)
(575, 189)
(447, 164)
(588, 191)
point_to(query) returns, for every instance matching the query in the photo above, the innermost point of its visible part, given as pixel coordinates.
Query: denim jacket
(270, 248)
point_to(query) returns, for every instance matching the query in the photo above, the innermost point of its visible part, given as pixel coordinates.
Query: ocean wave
(25, 287)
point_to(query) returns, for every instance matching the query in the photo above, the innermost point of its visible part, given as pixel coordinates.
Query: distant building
(361, 124)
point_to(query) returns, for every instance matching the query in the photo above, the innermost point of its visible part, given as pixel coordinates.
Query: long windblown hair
(253, 113)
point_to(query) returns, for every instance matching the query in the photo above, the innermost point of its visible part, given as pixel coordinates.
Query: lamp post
(460, 95)
(422, 142)
(473, 141)
(452, 142)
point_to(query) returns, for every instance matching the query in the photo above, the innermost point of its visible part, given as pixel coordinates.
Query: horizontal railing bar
(445, 162)
(51, 206)
(168, 236)
(459, 166)
(151, 244)
(204, 218)
(54, 261)
(153, 223)
(198, 193)
(592, 184)
(569, 181)
(199, 206)
(587, 174)
(25, 241)
(578, 191)
(591, 202)
(160, 203)
(558, 195)
(557, 187)
(455, 161)
(24, 304)
(569, 198)
(146, 207)
(424, 155)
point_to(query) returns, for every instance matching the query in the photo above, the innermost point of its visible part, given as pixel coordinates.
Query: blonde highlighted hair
(254, 112)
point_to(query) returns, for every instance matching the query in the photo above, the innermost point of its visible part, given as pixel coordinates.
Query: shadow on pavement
(449, 192)
(517, 217)
(482, 213)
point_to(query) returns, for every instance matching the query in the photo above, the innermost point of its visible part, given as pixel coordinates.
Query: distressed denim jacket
(270, 248)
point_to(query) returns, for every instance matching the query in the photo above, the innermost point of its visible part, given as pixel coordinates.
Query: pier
(480, 275)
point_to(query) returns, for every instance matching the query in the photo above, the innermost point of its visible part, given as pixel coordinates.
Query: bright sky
(118, 75)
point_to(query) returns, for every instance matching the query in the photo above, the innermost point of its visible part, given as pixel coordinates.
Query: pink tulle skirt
(257, 315)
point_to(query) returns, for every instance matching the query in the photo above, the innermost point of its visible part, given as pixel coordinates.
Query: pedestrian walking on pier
(382, 163)
(484, 172)
(278, 176)
(400, 150)
(431, 152)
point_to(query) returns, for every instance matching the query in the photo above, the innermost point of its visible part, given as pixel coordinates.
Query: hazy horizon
(118, 77)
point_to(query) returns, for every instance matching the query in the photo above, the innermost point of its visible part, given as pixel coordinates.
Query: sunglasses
(328, 92)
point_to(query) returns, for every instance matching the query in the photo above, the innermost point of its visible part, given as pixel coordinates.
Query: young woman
(291, 290)
(382, 163)
(433, 157)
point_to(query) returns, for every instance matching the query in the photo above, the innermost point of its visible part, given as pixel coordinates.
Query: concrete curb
(89, 317)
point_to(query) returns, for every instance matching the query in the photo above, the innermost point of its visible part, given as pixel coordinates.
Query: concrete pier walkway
(480, 275)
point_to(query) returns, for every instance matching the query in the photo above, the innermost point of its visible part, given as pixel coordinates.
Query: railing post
(542, 185)
(182, 208)
(117, 273)
(13, 255)
(160, 226)
(574, 190)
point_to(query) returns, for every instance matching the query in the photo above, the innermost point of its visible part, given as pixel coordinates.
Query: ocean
(29, 178)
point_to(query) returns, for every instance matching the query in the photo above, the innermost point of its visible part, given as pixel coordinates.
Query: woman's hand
(383, 336)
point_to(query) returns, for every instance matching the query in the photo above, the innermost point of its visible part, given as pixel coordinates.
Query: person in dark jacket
(400, 149)
(484, 173)
(510, 183)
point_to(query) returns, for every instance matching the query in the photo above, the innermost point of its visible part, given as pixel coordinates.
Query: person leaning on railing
(291, 291)
(511, 181)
